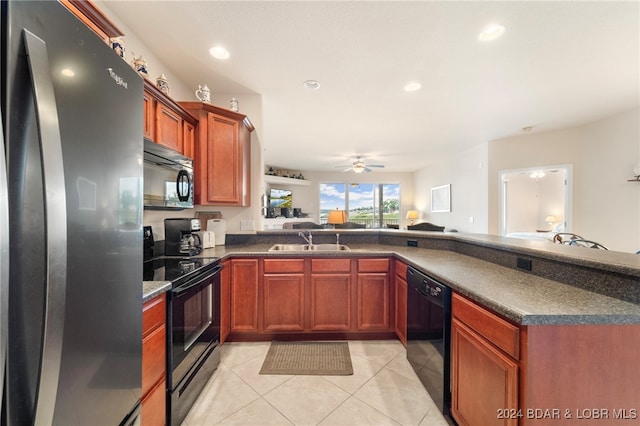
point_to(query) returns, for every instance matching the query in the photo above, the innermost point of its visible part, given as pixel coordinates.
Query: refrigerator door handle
(55, 223)
(4, 260)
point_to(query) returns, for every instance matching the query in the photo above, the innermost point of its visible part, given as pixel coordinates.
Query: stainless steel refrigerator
(70, 222)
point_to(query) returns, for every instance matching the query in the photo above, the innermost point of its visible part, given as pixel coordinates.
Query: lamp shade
(337, 217)
(412, 214)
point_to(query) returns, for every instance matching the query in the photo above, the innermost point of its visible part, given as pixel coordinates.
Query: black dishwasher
(429, 335)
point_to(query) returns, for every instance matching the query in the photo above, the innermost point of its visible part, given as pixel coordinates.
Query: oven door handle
(196, 281)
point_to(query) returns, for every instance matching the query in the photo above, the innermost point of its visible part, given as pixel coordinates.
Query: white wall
(467, 173)
(605, 206)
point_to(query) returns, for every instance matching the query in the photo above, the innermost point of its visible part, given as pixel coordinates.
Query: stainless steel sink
(329, 247)
(289, 247)
(306, 247)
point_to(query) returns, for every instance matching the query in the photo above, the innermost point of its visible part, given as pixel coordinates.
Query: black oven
(429, 335)
(193, 327)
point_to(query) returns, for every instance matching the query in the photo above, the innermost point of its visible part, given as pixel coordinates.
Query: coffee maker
(181, 237)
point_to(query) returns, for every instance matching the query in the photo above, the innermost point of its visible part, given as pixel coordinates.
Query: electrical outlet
(247, 225)
(523, 263)
(412, 243)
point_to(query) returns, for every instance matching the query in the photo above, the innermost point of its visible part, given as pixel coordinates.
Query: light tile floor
(384, 390)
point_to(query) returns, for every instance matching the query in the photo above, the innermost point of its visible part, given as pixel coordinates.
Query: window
(374, 204)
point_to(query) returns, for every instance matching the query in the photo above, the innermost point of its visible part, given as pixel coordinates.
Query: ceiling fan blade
(340, 167)
(367, 169)
(347, 169)
(375, 165)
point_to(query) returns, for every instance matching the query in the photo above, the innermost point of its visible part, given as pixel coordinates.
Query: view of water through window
(372, 204)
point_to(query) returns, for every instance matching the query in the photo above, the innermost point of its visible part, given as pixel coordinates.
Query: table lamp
(412, 215)
(337, 217)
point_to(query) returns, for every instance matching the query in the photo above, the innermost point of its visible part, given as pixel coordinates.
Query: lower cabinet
(373, 295)
(283, 295)
(484, 366)
(310, 295)
(244, 296)
(330, 295)
(400, 301)
(154, 361)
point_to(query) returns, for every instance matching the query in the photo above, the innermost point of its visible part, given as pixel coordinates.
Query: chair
(425, 226)
(350, 225)
(565, 237)
(393, 226)
(587, 243)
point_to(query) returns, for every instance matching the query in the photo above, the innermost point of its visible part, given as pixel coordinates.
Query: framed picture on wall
(441, 199)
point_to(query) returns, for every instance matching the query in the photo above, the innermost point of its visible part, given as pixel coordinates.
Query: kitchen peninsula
(575, 309)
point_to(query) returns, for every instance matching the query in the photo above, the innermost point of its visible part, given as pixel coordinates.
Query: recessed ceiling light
(527, 129)
(68, 72)
(491, 32)
(311, 84)
(412, 86)
(219, 52)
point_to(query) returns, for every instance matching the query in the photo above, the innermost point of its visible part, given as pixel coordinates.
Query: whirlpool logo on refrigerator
(119, 80)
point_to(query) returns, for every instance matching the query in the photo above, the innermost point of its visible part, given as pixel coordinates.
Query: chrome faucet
(337, 239)
(308, 240)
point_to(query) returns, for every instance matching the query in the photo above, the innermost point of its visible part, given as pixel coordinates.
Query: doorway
(535, 200)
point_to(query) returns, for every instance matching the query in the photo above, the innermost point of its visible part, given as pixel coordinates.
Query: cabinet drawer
(277, 266)
(153, 313)
(153, 406)
(501, 333)
(153, 358)
(330, 265)
(373, 265)
(401, 269)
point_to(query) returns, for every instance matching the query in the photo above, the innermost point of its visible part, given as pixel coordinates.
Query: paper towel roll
(219, 228)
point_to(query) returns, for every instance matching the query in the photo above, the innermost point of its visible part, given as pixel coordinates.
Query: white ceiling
(558, 64)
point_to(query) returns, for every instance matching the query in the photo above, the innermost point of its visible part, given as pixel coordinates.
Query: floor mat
(308, 358)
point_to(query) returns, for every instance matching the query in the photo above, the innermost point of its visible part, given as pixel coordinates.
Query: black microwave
(168, 178)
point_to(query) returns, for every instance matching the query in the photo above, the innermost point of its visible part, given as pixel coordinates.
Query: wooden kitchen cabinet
(93, 18)
(401, 301)
(330, 303)
(484, 366)
(225, 301)
(244, 296)
(166, 122)
(222, 156)
(373, 297)
(283, 295)
(154, 361)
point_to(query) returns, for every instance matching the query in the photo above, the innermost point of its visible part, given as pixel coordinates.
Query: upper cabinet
(88, 13)
(222, 156)
(166, 122)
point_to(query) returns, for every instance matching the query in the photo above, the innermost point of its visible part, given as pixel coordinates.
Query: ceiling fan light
(358, 168)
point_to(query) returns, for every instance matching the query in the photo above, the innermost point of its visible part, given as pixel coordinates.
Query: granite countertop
(151, 289)
(522, 297)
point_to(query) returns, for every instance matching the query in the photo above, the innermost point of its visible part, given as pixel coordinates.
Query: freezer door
(87, 267)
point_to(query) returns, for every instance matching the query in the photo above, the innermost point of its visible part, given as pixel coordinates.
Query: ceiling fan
(360, 166)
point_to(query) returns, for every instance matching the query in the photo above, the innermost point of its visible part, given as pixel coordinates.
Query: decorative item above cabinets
(167, 123)
(222, 156)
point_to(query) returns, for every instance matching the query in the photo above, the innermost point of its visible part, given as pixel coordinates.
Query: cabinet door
(373, 302)
(188, 139)
(225, 301)
(484, 380)
(148, 104)
(244, 295)
(283, 302)
(401, 308)
(153, 411)
(168, 127)
(224, 162)
(330, 304)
